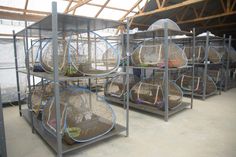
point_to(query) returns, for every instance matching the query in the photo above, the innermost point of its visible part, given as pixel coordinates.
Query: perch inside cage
(159, 24)
(116, 87)
(150, 92)
(151, 53)
(199, 53)
(185, 83)
(83, 117)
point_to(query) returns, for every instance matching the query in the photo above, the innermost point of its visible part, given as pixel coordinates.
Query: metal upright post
(2, 131)
(127, 81)
(28, 76)
(193, 68)
(222, 66)
(17, 74)
(227, 65)
(56, 78)
(31, 45)
(166, 77)
(205, 67)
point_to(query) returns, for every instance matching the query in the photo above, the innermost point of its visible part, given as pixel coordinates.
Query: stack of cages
(149, 83)
(208, 67)
(83, 54)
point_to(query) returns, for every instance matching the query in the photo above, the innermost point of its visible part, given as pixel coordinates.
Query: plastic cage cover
(151, 92)
(151, 53)
(159, 24)
(116, 86)
(185, 83)
(83, 116)
(78, 54)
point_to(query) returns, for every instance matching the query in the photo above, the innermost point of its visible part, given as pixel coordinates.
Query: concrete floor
(208, 130)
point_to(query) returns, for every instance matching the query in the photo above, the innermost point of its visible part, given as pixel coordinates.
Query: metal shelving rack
(166, 35)
(228, 82)
(3, 149)
(53, 24)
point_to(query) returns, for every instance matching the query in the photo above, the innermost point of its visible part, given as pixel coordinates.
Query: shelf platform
(148, 108)
(49, 76)
(158, 68)
(51, 140)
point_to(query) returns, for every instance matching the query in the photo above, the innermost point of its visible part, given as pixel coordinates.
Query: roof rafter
(101, 9)
(79, 4)
(26, 5)
(171, 7)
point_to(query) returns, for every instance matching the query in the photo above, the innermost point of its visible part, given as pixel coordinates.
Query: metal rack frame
(55, 23)
(163, 34)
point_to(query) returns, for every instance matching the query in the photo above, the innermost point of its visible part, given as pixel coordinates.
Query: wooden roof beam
(207, 17)
(132, 8)
(68, 6)
(79, 4)
(22, 10)
(20, 17)
(26, 5)
(171, 7)
(101, 9)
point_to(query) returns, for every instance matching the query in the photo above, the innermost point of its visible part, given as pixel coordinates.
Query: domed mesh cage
(185, 83)
(116, 86)
(83, 117)
(99, 56)
(199, 53)
(150, 92)
(76, 56)
(151, 53)
(214, 55)
(159, 24)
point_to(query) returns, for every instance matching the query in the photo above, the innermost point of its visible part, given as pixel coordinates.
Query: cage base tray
(148, 108)
(52, 142)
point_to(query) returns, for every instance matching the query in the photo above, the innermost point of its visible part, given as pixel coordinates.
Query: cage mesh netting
(116, 86)
(159, 24)
(99, 56)
(83, 117)
(150, 92)
(199, 53)
(185, 83)
(215, 75)
(213, 55)
(78, 54)
(151, 53)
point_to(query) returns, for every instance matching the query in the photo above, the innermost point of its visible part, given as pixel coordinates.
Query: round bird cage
(151, 53)
(150, 92)
(159, 24)
(99, 56)
(185, 83)
(116, 86)
(83, 117)
(199, 54)
(213, 55)
(67, 58)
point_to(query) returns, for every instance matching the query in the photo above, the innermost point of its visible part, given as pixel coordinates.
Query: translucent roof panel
(111, 14)
(87, 10)
(13, 3)
(99, 2)
(45, 5)
(159, 24)
(117, 3)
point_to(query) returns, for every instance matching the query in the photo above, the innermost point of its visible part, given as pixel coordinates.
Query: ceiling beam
(79, 4)
(20, 17)
(68, 6)
(101, 9)
(108, 7)
(22, 10)
(26, 5)
(207, 17)
(171, 7)
(132, 8)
